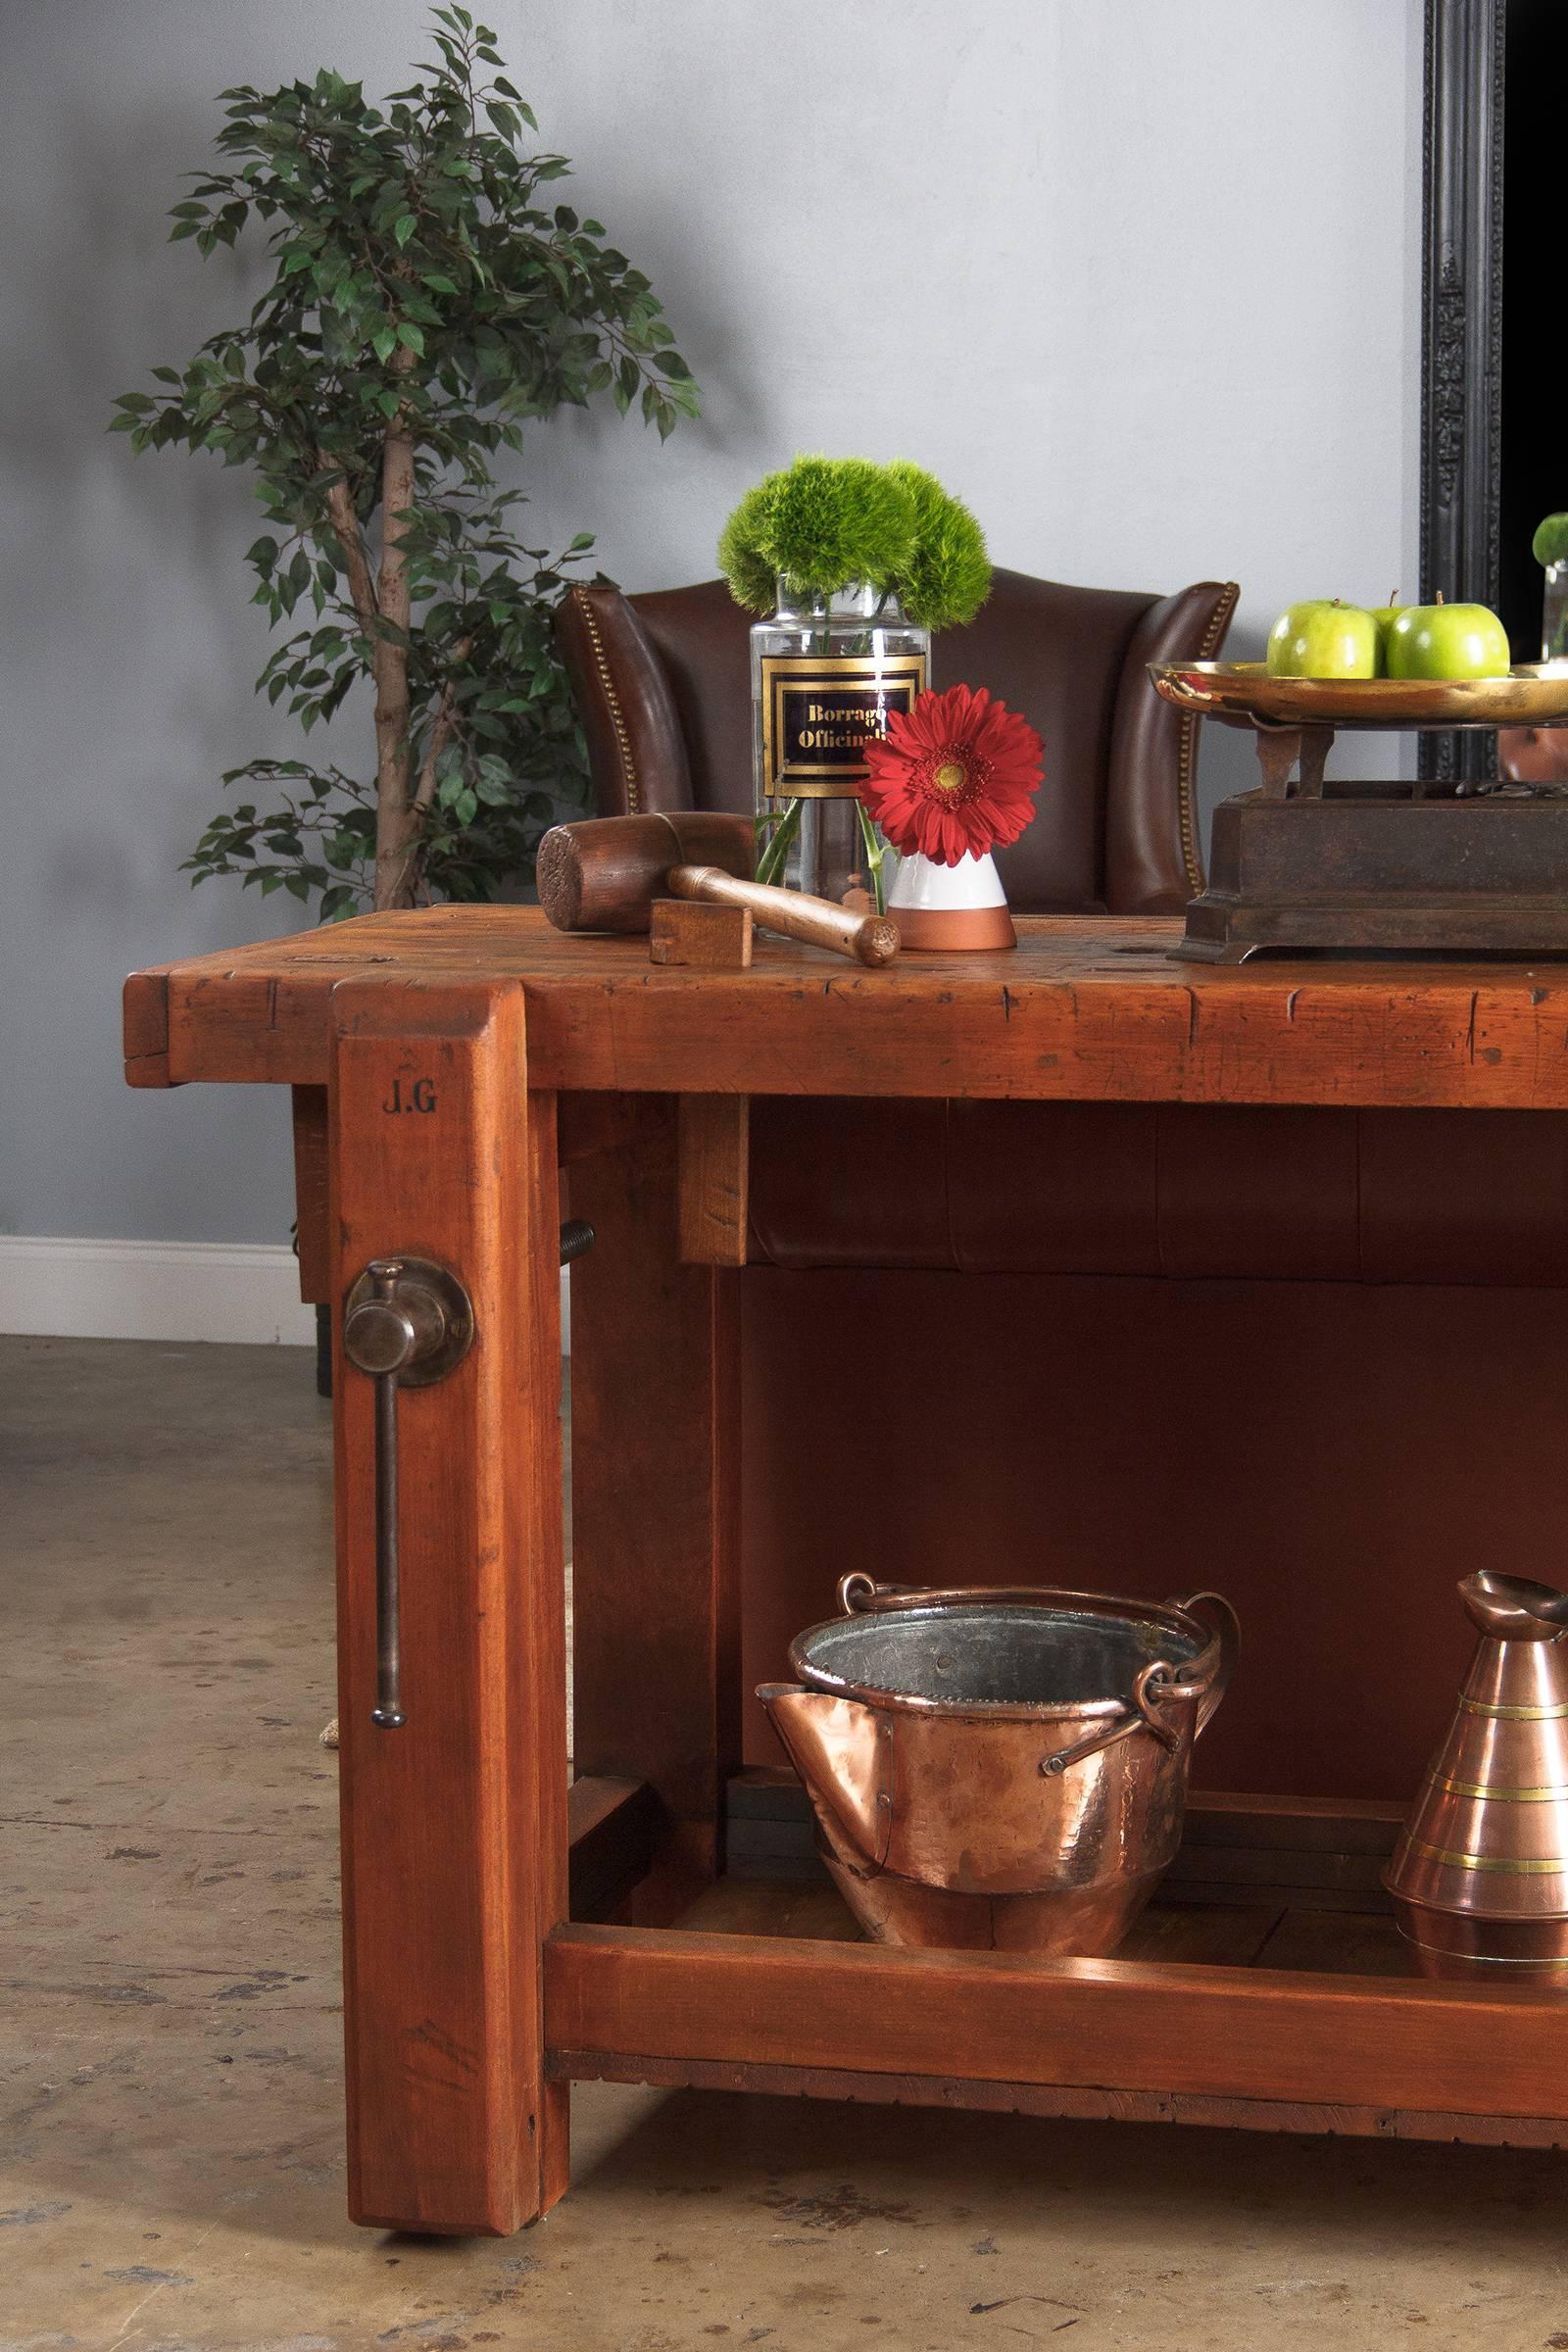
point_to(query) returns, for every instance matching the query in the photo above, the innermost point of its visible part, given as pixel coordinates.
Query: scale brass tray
(1304, 863)
(1241, 693)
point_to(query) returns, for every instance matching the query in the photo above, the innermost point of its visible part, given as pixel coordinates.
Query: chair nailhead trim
(617, 717)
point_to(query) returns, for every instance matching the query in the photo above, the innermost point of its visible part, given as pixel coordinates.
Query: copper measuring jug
(1001, 1768)
(1480, 1875)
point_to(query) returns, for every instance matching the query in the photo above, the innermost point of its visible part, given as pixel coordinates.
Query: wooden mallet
(605, 873)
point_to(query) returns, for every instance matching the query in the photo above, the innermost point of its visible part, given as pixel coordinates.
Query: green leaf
(510, 311)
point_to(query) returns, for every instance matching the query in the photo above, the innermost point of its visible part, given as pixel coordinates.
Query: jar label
(820, 711)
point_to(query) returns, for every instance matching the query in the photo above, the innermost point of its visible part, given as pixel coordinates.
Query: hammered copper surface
(1532, 695)
(1480, 1875)
(1000, 1769)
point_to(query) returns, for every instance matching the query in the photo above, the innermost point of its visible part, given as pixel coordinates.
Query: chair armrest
(636, 751)
(1153, 852)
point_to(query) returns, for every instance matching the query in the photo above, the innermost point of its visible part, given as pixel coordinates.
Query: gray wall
(1140, 281)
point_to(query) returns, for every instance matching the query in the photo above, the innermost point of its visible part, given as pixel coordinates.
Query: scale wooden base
(1378, 865)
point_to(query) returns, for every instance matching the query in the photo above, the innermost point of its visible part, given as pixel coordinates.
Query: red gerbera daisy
(954, 776)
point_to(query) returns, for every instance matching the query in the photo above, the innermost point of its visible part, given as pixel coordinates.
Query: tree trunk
(398, 825)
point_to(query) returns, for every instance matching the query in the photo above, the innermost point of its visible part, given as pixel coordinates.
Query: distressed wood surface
(656, 1502)
(1355, 2121)
(1083, 1009)
(699, 936)
(714, 1150)
(1138, 2026)
(612, 1828)
(455, 1826)
(145, 1024)
(312, 1238)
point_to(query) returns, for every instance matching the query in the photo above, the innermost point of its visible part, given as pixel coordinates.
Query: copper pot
(1480, 1875)
(1001, 1768)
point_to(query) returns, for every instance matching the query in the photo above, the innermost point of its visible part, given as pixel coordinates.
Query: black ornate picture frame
(1461, 328)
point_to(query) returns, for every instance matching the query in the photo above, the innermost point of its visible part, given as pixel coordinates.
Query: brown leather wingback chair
(1192, 1345)
(664, 689)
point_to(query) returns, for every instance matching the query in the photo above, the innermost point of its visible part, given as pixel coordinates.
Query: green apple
(1447, 641)
(1323, 639)
(1386, 616)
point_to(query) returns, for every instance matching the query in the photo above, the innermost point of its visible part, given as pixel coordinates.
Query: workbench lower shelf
(1240, 1998)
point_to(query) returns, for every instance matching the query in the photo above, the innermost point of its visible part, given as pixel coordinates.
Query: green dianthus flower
(750, 572)
(819, 525)
(1551, 542)
(949, 573)
(824, 522)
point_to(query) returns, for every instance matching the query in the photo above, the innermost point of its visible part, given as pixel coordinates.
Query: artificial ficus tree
(426, 301)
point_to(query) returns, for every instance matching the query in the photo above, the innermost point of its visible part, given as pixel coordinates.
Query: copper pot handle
(858, 1591)
(1229, 1631)
(1152, 1684)
(1094, 1743)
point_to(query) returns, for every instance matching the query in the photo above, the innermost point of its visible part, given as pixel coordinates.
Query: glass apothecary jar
(827, 672)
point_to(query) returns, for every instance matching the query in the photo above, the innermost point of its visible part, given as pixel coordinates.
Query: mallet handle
(816, 922)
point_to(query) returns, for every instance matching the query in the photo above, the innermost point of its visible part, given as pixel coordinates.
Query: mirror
(1492, 435)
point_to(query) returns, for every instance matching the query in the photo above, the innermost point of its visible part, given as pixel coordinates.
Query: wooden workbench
(446, 1065)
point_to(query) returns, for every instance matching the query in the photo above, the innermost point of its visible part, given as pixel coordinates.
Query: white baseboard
(89, 1289)
(92, 1290)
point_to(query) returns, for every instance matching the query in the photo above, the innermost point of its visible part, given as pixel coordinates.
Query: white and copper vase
(950, 908)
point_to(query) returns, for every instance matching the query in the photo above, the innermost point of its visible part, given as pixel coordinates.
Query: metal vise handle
(408, 1322)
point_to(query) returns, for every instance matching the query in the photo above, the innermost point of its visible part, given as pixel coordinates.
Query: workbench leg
(454, 1824)
(312, 1219)
(656, 1506)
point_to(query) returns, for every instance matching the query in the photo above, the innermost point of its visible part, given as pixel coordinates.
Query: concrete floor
(170, 2160)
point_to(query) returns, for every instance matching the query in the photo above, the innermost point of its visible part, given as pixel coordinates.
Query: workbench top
(1085, 1009)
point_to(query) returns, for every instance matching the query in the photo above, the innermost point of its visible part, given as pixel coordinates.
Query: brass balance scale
(1309, 863)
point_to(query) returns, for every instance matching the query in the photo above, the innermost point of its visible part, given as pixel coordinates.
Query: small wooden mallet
(605, 873)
